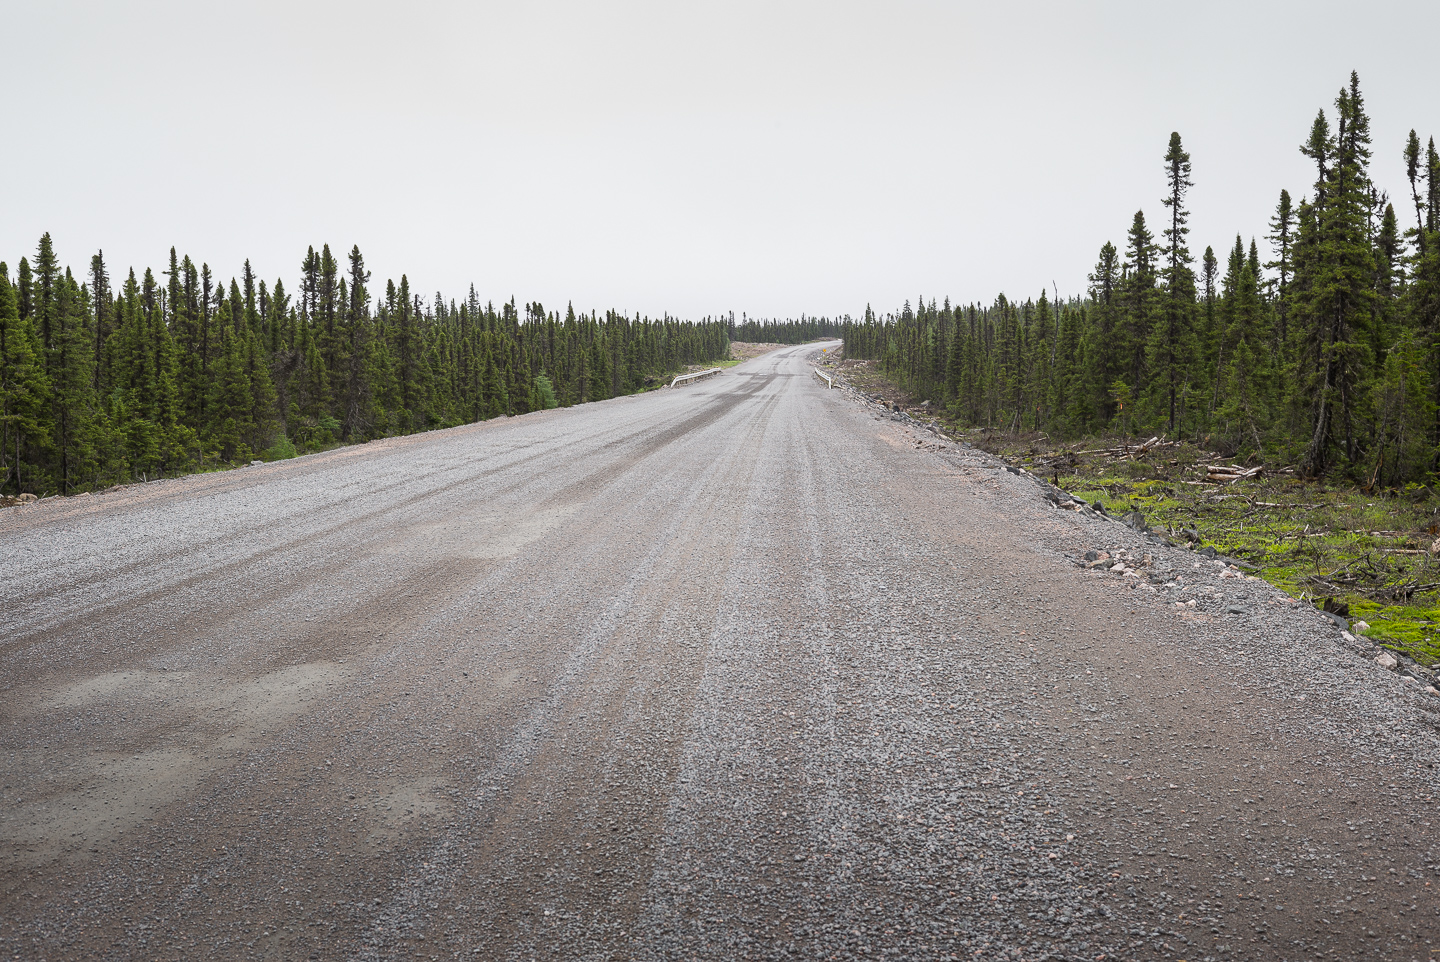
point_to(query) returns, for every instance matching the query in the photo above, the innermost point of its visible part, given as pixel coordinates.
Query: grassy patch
(1413, 629)
(1366, 550)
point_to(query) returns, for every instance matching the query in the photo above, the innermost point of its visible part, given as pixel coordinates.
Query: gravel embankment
(741, 669)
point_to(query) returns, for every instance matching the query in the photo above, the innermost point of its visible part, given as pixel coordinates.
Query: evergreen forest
(1322, 352)
(104, 383)
(787, 331)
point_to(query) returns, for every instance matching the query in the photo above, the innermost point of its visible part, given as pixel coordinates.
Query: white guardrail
(821, 374)
(695, 376)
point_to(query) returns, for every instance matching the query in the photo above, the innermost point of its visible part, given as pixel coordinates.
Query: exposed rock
(1386, 660)
(1360, 627)
(1413, 668)
(1136, 520)
(1206, 552)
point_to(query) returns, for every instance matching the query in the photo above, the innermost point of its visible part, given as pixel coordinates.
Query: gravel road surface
(743, 669)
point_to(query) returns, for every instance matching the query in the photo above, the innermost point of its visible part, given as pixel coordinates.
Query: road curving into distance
(741, 669)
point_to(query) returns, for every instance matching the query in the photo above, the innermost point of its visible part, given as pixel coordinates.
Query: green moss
(1312, 541)
(1413, 630)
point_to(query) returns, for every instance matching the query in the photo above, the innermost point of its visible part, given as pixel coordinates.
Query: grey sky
(771, 158)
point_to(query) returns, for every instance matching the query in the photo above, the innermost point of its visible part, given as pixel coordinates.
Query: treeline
(101, 385)
(1326, 355)
(784, 332)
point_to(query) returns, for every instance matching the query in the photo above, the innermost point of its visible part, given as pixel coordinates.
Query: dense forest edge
(166, 376)
(1324, 357)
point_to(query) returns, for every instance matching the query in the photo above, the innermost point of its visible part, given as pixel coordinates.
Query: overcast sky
(771, 158)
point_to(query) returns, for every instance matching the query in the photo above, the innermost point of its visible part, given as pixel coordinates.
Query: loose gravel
(744, 669)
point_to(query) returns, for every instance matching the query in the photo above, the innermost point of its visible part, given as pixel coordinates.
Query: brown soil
(745, 350)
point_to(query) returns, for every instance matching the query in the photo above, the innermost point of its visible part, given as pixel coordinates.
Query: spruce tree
(104, 322)
(74, 417)
(1341, 293)
(1281, 237)
(1244, 398)
(25, 290)
(1171, 350)
(1103, 357)
(47, 298)
(357, 319)
(24, 393)
(1412, 173)
(1138, 297)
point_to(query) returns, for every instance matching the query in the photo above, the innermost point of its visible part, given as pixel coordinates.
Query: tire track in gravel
(242, 845)
(571, 739)
(46, 593)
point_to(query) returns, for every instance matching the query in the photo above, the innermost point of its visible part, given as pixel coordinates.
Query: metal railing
(828, 381)
(692, 377)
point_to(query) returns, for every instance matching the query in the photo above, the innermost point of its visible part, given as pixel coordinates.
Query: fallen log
(1231, 476)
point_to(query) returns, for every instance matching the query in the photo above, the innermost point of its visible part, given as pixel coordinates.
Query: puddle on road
(99, 796)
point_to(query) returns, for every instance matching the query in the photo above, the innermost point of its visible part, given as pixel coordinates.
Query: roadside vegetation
(1299, 389)
(1370, 555)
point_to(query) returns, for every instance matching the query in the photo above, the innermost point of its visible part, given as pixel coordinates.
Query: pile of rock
(1130, 564)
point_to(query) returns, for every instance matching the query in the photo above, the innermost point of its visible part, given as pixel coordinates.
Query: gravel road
(744, 669)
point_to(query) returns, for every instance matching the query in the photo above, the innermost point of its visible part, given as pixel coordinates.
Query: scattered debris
(1229, 474)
